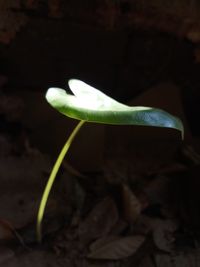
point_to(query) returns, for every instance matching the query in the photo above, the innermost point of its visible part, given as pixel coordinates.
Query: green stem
(52, 179)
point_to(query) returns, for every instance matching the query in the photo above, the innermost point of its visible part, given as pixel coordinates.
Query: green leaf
(90, 104)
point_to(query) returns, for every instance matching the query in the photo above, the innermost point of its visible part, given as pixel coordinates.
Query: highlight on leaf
(91, 105)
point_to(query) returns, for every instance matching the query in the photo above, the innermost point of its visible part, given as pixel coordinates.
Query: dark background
(121, 47)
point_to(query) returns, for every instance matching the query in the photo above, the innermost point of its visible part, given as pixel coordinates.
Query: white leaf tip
(51, 94)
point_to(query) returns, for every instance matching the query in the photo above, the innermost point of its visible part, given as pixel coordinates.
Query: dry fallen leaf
(116, 248)
(100, 221)
(131, 204)
(101, 242)
(163, 233)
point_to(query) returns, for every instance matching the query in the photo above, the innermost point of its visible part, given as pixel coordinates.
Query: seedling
(88, 104)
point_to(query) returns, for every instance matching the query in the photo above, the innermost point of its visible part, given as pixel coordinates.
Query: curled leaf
(90, 104)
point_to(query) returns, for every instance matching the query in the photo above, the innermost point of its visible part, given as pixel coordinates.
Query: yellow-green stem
(52, 179)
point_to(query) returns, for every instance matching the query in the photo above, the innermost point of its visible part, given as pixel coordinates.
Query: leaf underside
(91, 105)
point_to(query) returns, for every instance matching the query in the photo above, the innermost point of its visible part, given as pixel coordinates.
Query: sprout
(88, 104)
